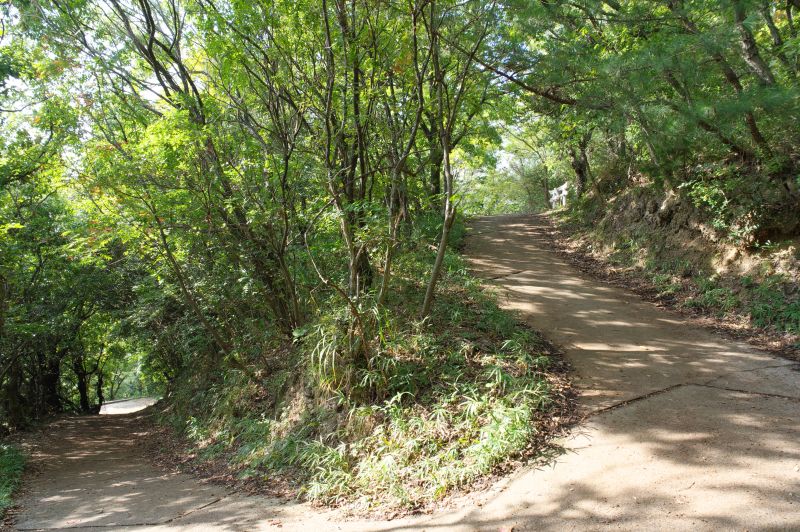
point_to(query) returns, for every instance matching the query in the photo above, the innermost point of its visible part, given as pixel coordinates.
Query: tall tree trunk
(99, 389)
(449, 210)
(83, 383)
(730, 75)
(449, 218)
(750, 52)
(580, 163)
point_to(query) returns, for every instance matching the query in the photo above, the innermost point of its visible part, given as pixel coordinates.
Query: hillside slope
(668, 248)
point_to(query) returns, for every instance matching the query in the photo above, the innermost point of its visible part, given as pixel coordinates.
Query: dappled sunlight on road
(94, 473)
(602, 329)
(684, 429)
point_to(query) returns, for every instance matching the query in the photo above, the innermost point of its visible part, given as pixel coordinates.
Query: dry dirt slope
(684, 430)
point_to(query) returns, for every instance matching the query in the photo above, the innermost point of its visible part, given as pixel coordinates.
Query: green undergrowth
(765, 298)
(438, 404)
(12, 463)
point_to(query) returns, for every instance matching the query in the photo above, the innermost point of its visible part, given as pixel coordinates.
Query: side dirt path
(683, 430)
(93, 473)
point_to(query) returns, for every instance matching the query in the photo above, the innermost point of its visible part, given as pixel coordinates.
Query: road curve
(684, 430)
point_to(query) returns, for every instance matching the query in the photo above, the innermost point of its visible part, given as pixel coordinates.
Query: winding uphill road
(684, 430)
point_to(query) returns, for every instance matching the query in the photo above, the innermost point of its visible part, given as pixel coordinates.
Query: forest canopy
(204, 194)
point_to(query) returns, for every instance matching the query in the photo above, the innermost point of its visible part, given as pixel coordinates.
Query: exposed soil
(683, 430)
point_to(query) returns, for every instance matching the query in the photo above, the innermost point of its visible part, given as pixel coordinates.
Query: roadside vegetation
(12, 464)
(250, 209)
(441, 402)
(693, 267)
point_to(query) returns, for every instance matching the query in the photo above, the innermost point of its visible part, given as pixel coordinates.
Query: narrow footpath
(684, 430)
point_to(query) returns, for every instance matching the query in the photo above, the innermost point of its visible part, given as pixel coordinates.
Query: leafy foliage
(696, 96)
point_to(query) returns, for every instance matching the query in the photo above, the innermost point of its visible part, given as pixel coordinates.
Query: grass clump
(12, 463)
(711, 296)
(769, 306)
(438, 403)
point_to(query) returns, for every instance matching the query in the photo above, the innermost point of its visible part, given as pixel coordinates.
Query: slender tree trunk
(443, 127)
(394, 221)
(435, 175)
(451, 102)
(449, 217)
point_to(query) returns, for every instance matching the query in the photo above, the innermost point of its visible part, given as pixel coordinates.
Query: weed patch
(769, 306)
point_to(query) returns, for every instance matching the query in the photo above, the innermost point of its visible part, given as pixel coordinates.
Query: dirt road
(685, 430)
(113, 408)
